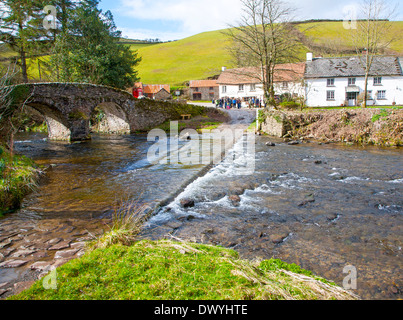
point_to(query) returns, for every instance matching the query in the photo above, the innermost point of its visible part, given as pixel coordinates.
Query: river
(323, 207)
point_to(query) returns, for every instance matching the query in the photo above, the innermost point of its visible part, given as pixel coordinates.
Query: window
(377, 81)
(369, 95)
(253, 87)
(330, 82)
(196, 89)
(224, 89)
(381, 95)
(241, 87)
(285, 85)
(211, 89)
(330, 95)
(351, 81)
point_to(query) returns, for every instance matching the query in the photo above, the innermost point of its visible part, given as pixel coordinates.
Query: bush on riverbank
(168, 270)
(18, 176)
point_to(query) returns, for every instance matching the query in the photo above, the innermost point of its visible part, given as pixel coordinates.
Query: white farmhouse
(245, 83)
(331, 82)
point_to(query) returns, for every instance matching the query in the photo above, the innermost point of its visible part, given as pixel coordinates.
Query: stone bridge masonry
(67, 109)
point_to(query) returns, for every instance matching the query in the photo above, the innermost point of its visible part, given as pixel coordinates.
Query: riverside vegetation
(18, 176)
(118, 267)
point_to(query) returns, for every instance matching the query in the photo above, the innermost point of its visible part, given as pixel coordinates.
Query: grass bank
(170, 270)
(18, 176)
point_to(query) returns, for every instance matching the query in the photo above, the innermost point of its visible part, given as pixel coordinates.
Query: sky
(178, 19)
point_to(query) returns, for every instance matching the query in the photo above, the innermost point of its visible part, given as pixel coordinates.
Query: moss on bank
(18, 176)
(168, 270)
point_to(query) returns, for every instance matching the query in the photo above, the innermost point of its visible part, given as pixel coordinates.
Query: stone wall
(275, 123)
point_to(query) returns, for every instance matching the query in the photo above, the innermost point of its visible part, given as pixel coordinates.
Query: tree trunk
(364, 105)
(23, 65)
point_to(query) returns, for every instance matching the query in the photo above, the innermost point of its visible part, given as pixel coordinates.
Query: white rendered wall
(316, 91)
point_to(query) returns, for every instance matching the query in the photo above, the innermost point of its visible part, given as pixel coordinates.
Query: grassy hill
(192, 58)
(202, 56)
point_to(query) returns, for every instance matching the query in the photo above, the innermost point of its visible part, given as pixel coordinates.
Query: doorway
(352, 99)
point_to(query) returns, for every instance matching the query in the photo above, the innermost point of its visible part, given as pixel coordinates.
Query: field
(203, 55)
(196, 57)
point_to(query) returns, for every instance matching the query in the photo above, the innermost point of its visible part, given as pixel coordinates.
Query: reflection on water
(322, 207)
(87, 179)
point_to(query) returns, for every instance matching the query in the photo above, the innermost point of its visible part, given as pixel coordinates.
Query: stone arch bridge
(68, 108)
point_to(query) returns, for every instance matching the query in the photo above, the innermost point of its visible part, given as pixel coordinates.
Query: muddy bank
(381, 127)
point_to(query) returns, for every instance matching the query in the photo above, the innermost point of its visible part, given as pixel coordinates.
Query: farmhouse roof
(155, 88)
(249, 75)
(203, 83)
(352, 67)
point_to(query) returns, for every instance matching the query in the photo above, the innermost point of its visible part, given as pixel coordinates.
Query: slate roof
(352, 67)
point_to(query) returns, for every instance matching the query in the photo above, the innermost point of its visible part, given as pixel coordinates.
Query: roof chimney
(224, 69)
(309, 56)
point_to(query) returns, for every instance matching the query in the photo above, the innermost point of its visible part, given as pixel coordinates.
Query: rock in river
(187, 203)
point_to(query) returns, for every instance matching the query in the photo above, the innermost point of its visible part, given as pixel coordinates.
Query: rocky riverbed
(30, 249)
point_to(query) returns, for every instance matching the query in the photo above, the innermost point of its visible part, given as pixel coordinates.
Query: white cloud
(194, 16)
(142, 34)
(184, 18)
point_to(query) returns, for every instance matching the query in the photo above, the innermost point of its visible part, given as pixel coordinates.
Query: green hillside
(196, 57)
(202, 56)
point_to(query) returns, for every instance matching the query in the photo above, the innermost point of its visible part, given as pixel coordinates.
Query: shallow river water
(323, 207)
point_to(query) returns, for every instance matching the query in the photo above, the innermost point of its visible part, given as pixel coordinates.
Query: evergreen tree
(89, 49)
(22, 28)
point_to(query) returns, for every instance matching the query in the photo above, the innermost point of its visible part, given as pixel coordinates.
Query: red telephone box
(137, 92)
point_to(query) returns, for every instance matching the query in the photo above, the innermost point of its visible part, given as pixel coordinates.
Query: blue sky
(177, 19)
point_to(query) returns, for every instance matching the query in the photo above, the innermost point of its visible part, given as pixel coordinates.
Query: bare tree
(12, 103)
(372, 35)
(264, 39)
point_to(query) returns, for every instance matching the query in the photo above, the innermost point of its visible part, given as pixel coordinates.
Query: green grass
(332, 33)
(203, 55)
(18, 176)
(168, 270)
(350, 108)
(193, 58)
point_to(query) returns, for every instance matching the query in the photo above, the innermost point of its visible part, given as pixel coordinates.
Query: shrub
(382, 114)
(290, 105)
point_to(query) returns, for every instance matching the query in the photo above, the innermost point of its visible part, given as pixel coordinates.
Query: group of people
(236, 103)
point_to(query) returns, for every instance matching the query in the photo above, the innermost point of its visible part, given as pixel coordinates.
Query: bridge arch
(68, 108)
(58, 127)
(110, 118)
